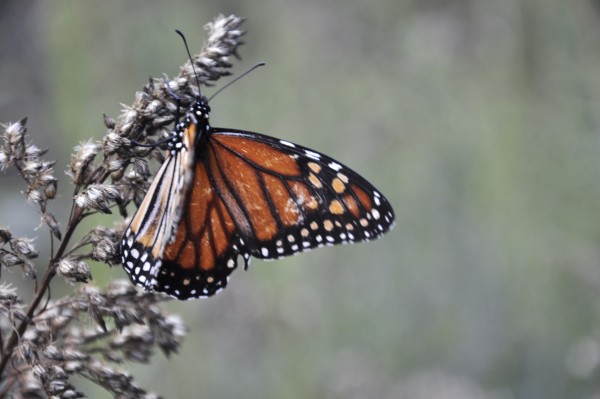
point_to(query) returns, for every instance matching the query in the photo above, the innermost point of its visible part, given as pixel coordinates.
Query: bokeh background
(478, 119)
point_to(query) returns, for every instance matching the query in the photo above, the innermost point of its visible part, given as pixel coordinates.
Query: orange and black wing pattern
(207, 243)
(290, 198)
(244, 194)
(153, 224)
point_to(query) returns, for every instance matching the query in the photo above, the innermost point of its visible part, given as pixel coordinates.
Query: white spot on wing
(375, 213)
(312, 154)
(335, 166)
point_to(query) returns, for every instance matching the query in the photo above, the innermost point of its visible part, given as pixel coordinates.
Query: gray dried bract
(81, 165)
(98, 197)
(74, 271)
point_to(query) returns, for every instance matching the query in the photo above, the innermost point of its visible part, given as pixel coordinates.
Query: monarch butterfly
(222, 193)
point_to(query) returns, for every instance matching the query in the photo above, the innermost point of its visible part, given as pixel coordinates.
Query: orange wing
(206, 245)
(225, 193)
(290, 198)
(152, 225)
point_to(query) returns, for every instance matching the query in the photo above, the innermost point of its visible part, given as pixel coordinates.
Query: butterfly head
(200, 111)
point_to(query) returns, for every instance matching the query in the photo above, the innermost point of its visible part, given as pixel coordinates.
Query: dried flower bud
(108, 121)
(120, 288)
(8, 294)
(24, 247)
(114, 143)
(98, 196)
(74, 271)
(81, 161)
(51, 352)
(106, 251)
(32, 151)
(117, 164)
(5, 235)
(26, 351)
(169, 334)
(154, 106)
(4, 161)
(50, 189)
(15, 132)
(71, 394)
(140, 166)
(34, 165)
(28, 269)
(52, 224)
(8, 259)
(117, 174)
(33, 195)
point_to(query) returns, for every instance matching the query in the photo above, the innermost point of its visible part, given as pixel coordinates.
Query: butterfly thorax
(195, 124)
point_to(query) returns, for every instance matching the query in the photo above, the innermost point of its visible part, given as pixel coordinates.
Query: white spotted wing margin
(153, 225)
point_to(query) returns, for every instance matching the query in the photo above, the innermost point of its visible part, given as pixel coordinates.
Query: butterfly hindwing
(206, 246)
(152, 225)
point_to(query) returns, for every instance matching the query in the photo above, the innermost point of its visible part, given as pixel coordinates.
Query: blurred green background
(478, 119)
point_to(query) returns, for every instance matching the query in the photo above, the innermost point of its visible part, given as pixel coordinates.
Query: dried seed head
(32, 151)
(115, 144)
(106, 250)
(82, 158)
(49, 220)
(98, 197)
(140, 166)
(8, 294)
(23, 247)
(5, 160)
(5, 235)
(33, 195)
(117, 164)
(28, 269)
(74, 271)
(108, 121)
(15, 132)
(8, 259)
(50, 188)
(169, 332)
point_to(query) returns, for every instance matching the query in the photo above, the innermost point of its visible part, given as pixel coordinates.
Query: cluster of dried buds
(44, 342)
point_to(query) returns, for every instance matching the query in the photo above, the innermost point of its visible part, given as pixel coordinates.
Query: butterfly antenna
(236, 79)
(190, 57)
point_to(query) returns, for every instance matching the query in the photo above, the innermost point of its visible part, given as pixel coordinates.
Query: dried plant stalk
(90, 331)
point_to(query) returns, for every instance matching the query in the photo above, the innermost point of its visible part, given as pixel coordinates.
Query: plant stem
(12, 341)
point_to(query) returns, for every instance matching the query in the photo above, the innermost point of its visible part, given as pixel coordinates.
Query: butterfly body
(225, 193)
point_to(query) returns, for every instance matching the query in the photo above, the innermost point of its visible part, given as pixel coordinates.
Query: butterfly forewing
(297, 198)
